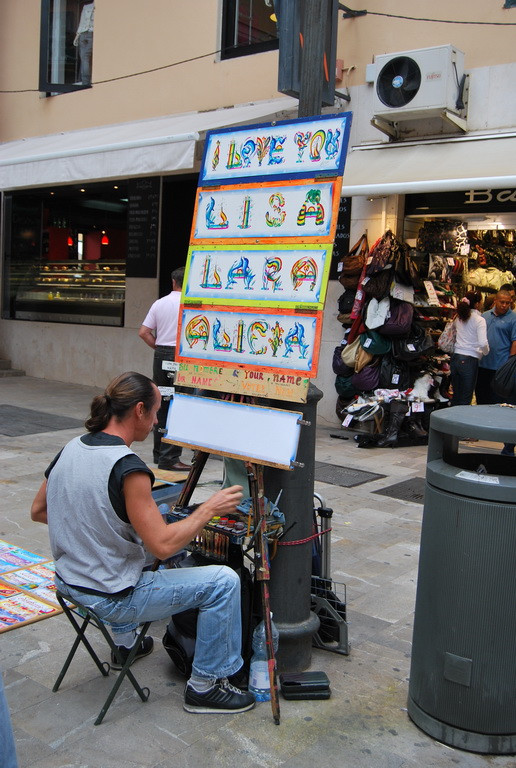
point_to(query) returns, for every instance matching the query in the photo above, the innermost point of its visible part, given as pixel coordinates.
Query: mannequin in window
(84, 41)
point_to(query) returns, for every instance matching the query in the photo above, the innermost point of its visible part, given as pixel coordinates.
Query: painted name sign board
(261, 212)
(279, 340)
(293, 149)
(242, 380)
(281, 275)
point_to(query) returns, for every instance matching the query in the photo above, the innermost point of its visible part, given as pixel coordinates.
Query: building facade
(104, 109)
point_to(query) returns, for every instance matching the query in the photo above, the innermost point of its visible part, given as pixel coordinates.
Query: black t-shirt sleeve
(52, 464)
(124, 466)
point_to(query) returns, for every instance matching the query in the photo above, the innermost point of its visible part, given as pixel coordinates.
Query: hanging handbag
(447, 339)
(394, 374)
(418, 343)
(349, 353)
(375, 343)
(504, 381)
(353, 261)
(362, 359)
(378, 285)
(349, 282)
(381, 254)
(399, 319)
(376, 313)
(405, 270)
(367, 379)
(345, 388)
(338, 365)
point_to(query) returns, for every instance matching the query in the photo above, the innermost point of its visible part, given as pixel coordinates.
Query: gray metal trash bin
(463, 671)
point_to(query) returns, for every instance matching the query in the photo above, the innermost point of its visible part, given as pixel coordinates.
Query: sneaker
(223, 697)
(144, 650)
(507, 452)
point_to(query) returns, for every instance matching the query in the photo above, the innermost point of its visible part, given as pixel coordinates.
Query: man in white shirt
(159, 331)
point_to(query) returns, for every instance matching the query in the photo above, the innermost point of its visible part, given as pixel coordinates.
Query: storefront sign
(261, 339)
(293, 149)
(243, 381)
(266, 212)
(290, 276)
(469, 201)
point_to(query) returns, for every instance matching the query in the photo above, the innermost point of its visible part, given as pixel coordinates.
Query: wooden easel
(195, 422)
(261, 556)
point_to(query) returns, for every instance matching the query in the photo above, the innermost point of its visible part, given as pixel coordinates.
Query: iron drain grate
(344, 476)
(407, 490)
(15, 421)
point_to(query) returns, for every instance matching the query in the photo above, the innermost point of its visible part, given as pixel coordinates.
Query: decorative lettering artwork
(266, 338)
(293, 149)
(260, 251)
(283, 275)
(297, 210)
(278, 385)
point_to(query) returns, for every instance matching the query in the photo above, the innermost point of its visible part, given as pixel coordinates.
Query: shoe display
(144, 650)
(223, 697)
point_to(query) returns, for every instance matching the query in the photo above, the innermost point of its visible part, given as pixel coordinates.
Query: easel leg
(262, 573)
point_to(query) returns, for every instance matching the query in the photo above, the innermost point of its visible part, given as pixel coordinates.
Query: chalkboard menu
(143, 227)
(341, 242)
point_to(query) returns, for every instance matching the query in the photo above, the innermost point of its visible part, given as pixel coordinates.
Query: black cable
(444, 21)
(133, 74)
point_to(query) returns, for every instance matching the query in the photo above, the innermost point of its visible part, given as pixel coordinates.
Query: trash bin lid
(496, 423)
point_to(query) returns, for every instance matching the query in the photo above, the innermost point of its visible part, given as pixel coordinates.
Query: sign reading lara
(260, 253)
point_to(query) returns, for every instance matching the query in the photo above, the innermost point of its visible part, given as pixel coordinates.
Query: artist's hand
(223, 502)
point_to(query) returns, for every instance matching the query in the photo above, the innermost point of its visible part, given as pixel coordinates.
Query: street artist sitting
(102, 519)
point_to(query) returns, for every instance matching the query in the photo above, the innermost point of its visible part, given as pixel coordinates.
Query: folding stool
(89, 616)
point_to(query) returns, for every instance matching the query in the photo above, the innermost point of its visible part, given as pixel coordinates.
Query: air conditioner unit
(419, 84)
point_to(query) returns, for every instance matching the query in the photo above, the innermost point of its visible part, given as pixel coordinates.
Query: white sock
(127, 639)
(201, 684)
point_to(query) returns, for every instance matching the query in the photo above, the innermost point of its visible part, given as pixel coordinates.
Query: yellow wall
(361, 38)
(132, 36)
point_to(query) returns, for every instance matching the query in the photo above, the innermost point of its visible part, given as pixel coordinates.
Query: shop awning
(143, 148)
(444, 165)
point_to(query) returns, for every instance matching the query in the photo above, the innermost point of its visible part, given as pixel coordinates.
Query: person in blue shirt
(501, 336)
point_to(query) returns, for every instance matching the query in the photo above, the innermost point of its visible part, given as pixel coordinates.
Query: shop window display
(65, 255)
(406, 296)
(66, 46)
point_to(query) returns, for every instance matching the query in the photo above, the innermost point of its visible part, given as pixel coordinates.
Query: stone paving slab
(375, 542)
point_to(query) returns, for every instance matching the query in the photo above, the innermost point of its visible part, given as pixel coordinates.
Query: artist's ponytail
(121, 394)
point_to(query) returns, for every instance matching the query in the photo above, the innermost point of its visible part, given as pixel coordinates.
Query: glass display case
(72, 292)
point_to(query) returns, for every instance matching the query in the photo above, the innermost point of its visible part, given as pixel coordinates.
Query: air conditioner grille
(398, 82)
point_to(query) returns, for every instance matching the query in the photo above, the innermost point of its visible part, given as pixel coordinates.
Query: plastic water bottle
(259, 683)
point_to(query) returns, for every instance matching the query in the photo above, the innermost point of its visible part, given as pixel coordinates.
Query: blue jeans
(85, 52)
(464, 369)
(214, 589)
(7, 748)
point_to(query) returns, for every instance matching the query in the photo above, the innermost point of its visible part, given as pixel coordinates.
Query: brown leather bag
(354, 261)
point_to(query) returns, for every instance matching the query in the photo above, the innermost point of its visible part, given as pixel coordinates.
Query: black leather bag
(394, 374)
(417, 344)
(504, 381)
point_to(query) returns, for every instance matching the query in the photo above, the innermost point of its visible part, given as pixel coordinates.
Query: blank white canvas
(264, 435)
